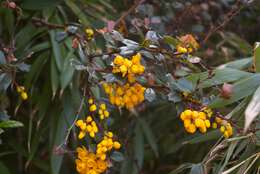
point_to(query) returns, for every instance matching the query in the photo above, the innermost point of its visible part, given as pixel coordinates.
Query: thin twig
(228, 17)
(73, 124)
(42, 22)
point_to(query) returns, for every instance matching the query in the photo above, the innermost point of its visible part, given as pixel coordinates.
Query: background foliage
(40, 57)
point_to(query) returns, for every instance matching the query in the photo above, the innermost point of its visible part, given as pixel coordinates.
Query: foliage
(154, 85)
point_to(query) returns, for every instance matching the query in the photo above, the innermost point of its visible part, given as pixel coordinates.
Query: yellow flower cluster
(89, 163)
(128, 95)
(106, 145)
(187, 44)
(89, 33)
(103, 112)
(95, 162)
(88, 126)
(225, 127)
(194, 120)
(131, 68)
(22, 92)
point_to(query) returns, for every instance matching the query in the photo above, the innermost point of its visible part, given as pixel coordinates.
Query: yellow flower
(106, 113)
(136, 59)
(92, 171)
(181, 49)
(89, 128)
(195, 114)
(202, 115)
(103, 106)
(119, 60)
(191, 128)
(81, 134)
(103, 157)
(92, 134)
(117, 145)
(214, 125)
(79, 123)
(222, 129)
(89, 119)
(199, 122)
(102, 165)
(207, 123)
(92, 108)
(90, 162)
(90, 101)
(89, 33)
(80, 166)
(123, 70)
(20, 89)
(109, 134)
(24, 95)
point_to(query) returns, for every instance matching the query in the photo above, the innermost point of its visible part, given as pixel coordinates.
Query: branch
(228, 17)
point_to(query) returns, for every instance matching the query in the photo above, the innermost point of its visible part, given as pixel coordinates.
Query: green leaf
(138, 146)
(257, 57)
(56, 50)
(64, 120)
(149, 136)
(25, 36)
(60, 36)
(10, 124)
(67, 71)
(238, 64)
(221, 75)
(95, 91)
(41, 46)
(54, 77)
(117, 156)
(241, 89)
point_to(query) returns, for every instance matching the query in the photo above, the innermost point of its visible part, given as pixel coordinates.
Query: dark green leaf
(139, 146)
(149, 136)
(54, 77)
(56, 50)
(67, 71)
